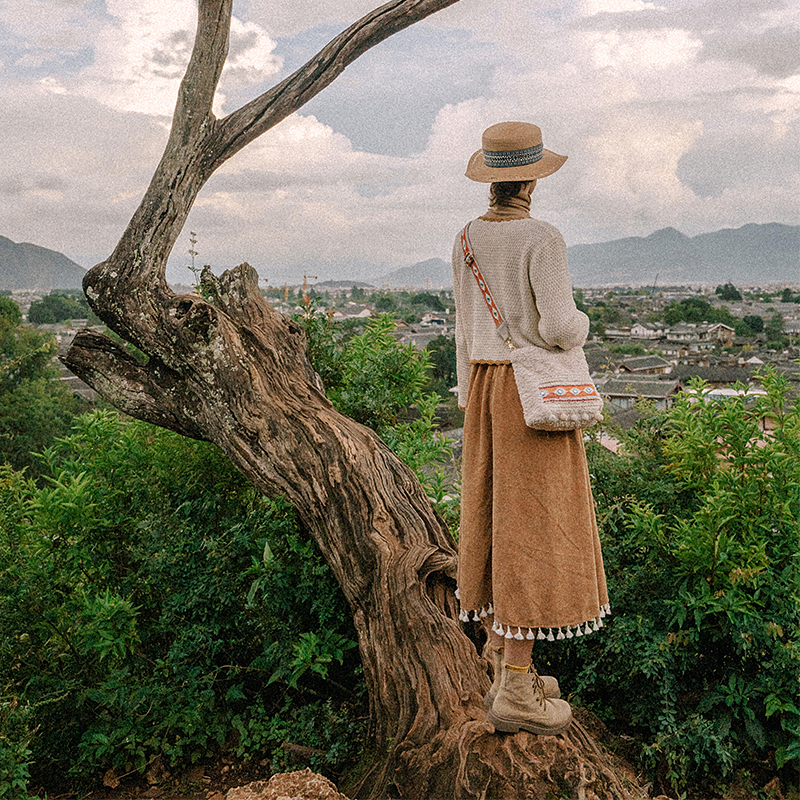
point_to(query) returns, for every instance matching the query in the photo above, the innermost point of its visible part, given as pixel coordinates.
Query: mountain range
(29, 267)
(750, 255)
(746, 256)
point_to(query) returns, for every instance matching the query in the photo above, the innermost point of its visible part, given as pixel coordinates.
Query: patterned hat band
(513, 158)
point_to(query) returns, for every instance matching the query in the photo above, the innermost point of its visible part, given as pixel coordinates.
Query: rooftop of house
(637, 386)
(644, 363)
(713, 373)
(601, 360)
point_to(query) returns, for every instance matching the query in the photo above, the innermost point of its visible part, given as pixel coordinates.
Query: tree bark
(228, 368)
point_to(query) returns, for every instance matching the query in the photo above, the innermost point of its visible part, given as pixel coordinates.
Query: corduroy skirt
(529, 552)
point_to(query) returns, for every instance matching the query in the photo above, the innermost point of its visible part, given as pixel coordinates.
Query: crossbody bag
(555, 388)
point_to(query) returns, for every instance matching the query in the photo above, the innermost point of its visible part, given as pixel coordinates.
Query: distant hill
(435, 270)
(752, 254)
(33, 268)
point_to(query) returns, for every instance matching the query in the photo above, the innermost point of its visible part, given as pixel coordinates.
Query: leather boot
(551, 688)
(520, 704)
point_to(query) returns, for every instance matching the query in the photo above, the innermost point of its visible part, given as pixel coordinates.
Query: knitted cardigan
(524, 261)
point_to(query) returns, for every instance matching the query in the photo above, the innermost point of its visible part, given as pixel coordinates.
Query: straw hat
(512, 151)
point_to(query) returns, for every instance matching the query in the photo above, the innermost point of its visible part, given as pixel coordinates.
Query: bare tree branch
(151, 392)
(250, 121)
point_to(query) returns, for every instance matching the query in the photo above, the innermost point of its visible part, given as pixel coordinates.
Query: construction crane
(306, 279)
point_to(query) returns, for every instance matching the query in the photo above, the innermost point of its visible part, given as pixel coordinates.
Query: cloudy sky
(678, 113)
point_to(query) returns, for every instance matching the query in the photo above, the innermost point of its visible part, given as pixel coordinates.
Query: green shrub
(59, 306)
(152, 602)
(35, 407)
(15, 753)
(699, 522)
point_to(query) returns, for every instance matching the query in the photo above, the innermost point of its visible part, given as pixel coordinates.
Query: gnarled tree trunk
(231, 370)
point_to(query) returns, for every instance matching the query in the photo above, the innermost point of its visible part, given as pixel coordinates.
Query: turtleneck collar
(517, 207)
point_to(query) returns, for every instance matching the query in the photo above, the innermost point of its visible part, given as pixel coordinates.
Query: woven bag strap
(469, 259)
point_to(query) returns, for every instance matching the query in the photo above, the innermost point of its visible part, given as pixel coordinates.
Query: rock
(301, 785)
(774, 789)
(111, 779)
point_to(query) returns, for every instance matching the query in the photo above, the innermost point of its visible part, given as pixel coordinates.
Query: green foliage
(442, 355)
(9, 312)
(383, 384)
(152, 601)
(385, 303)
(35, 407)
(628, 349)
(58, 307)
(26, 355)
(728, 292)
(416, 442)
(378, 378)
(699, 517)
(695, 309)
(15, 753)
(603, 315)
(774, 330)
(754, 323)
(428, 301)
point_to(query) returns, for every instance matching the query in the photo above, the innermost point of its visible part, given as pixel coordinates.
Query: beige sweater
(524, 262)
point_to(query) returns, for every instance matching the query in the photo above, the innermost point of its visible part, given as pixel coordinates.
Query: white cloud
(79, 169)
(634, 160)
(52, 85)
(643, 50)
(250, 57)
(49, 29)
(140, 55)
(286, 19)
(591, 7)
(135, 53)
(783, 107)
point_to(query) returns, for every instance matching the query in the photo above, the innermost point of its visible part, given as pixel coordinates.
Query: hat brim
(549, 163)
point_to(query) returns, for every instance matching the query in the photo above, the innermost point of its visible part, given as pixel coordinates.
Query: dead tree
(229, 369)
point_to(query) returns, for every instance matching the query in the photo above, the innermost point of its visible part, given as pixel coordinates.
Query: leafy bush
(754, 322)
(35, 407)
(699, 516)
(152, 602)
(695, 309)
(10, 312)
(59, 307)
(378, 378)
(15, 753)
(442, 354)
(728, 292)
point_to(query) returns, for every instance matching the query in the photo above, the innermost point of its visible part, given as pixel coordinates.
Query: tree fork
(228, 368)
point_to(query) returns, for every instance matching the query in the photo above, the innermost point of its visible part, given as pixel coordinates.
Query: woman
(530, 566)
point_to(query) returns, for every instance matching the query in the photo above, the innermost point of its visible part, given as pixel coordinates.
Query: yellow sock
(514, 668)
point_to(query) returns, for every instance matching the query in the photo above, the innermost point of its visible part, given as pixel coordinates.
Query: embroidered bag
(554, 387)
